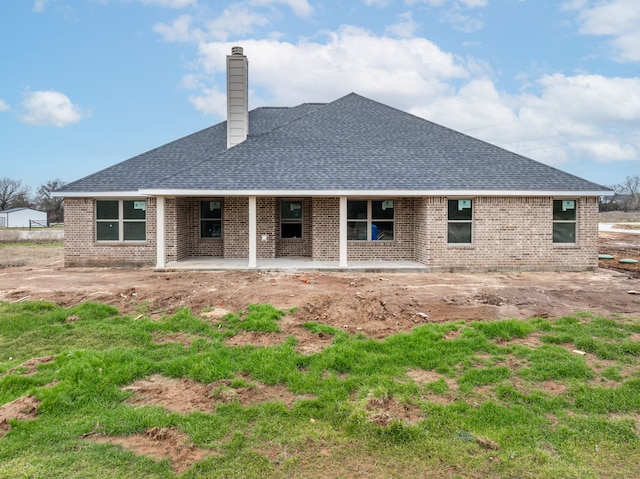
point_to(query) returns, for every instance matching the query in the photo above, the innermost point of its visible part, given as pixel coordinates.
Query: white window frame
(574, 221)
(470, 221)
(120, 220)
(369, 220)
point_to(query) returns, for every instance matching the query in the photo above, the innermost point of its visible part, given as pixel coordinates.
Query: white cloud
(50, 108)
(300, 7)
(455, 3)
(617, 19)
(170, 3)
(376, 3)
(558, 118)
(179, 30)
(574, 117)
(454, 12)
(405, 27)
(3, 106)
(593, 97)
(235, 20)
(395, 71)
(39, 6)
(462, 22)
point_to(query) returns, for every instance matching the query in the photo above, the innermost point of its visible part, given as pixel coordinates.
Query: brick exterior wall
(194, 244)
(172, 230)
(81, 248)
(295, 247)
(235, 229)
(325, 242)
(266, 218)
(509, 234)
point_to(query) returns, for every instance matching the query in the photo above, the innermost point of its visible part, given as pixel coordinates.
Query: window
(290, 219)
(564, 221)
(121, 220)
(460, 220)
(370, 220)
(211, 219)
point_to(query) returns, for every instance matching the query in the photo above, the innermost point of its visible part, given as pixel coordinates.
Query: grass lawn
(512, 398)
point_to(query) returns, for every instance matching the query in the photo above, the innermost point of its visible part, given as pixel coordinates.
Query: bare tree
(627, 193)
(13, 194)
(53, 205)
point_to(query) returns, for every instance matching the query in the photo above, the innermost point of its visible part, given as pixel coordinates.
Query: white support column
(343, 232)
(160, 232)
(253, 232)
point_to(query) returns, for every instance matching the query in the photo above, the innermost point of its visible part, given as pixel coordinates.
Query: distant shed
(23, 218)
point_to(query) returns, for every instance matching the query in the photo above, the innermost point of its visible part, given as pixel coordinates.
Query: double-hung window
(370, 220)
(460, 221)
(121, 220)
(291, 219)
(564, 221)
(211, 219)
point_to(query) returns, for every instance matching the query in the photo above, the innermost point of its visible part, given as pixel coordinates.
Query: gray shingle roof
(352, 143)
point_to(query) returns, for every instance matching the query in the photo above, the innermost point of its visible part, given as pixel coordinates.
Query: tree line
(626, 196)
(14, 195)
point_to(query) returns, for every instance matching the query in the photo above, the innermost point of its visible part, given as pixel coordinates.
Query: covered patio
(206, 263)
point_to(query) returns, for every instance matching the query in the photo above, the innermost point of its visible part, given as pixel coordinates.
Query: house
(340, 184)
(23, 218)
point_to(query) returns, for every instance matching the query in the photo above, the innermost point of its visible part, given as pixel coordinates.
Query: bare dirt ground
(374, 304)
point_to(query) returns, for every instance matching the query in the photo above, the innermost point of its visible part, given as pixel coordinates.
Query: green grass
(491, 410)
(33, 244)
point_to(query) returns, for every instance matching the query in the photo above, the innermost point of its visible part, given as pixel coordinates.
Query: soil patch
(183, 338)
(31, 366)
(179, 395)
(22, 408)
(185, 396)
(620, 245)
(159, 443)
(376, 305)
(384, 411)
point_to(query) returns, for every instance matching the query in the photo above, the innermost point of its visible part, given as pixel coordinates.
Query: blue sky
(88, 83)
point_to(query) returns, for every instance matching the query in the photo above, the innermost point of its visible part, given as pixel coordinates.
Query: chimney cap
(237, 51)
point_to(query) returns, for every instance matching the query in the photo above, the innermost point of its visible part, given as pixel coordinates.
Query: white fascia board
(369, 193)
(99, 194)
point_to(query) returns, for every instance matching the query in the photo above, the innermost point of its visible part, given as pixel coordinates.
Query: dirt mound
(384, 411)
(31, 366)
(185, 396)
(179, 395)
(159, 443)
(22, 408)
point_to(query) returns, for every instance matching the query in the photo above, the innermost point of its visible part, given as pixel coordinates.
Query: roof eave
(98, 194)
(370, 193)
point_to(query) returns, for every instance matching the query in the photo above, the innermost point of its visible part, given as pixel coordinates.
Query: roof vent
(237, 51)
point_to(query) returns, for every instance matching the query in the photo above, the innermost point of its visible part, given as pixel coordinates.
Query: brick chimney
(237, 97)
